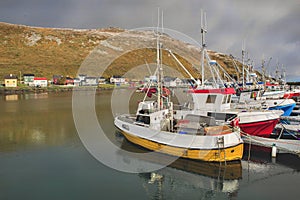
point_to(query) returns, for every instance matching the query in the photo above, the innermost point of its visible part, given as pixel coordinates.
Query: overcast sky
(270, 28)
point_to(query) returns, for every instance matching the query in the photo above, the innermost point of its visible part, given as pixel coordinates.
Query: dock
(282, 145)
(295, 128)
(291, 118)
(295, 112)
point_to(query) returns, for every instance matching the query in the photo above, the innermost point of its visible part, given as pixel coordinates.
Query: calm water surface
(42, 157)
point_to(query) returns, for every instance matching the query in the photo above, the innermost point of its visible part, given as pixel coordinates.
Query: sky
(269, 29)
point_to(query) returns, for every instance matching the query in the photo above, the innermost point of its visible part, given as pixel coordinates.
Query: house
(40, 82)
(90, 81)
(69, 81)
(10, 81)
(82, 77)
(172, 81)
(117, 80)
(101, 80)
(152, 79)
(28, 79)
(77, 82)
(56, 79)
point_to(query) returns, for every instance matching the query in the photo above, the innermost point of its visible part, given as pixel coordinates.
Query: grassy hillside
(48, 51)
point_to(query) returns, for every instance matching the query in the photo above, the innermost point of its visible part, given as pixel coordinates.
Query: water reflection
(42, 95)
(11, 97)
(186, 178)
(185, 173)
(35, 120)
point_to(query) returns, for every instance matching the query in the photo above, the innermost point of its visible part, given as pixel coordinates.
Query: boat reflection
(218, 177)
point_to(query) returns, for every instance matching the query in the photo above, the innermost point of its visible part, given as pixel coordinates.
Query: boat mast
(263, 73)
(283, 76)
(243, 64)
(158, 62)
(159, 68)
(203, 31)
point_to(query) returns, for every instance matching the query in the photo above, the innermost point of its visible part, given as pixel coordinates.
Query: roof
(91, 77)
(39, 78)
(10, 77)
(214, 91)
(28, 74)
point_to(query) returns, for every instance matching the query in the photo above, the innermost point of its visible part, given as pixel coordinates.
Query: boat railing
(141, 124)
(127, 118)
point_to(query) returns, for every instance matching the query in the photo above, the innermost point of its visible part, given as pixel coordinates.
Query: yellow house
(10, 81)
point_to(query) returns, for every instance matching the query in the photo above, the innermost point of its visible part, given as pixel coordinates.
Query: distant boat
(291, 94)
(272, 100)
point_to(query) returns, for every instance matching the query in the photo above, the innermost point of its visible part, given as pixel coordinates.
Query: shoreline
(25, 90)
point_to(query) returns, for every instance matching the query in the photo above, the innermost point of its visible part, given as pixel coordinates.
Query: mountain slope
(49, 51)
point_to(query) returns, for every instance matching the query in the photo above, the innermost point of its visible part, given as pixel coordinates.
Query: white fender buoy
(274, 151)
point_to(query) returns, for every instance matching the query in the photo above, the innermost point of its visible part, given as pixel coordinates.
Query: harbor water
(42, 157)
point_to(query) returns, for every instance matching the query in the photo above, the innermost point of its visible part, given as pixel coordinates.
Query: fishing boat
(213, 98)
(255, 97)
(216, 103)
(291, 94)
(286, 105)
(155, 127)
(194, 137)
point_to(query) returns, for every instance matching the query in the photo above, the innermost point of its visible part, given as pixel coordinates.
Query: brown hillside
(107, 52)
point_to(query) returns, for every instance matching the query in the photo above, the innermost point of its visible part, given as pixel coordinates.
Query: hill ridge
(46, 51)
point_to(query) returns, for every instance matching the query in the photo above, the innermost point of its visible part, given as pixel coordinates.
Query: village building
(90, 81)
(117, 80)
(82, 77)
(10, 81)
(56, 79)
(172, 81)
(152, 79)
(40, 82)
(69, 81)
(101, 80)
(77, 82)
(28, 79)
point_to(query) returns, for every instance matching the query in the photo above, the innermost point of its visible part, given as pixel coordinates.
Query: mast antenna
(243, 64)
(203, 50)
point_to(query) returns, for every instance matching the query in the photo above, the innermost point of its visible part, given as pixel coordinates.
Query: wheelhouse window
(228, 98)
(211, 98)
(224, 99)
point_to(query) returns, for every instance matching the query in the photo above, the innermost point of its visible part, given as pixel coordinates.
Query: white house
(118, 80)
(40, 82)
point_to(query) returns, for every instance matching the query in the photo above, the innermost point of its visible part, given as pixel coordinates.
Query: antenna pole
(203, 31)
(158, 62)
(243, 64)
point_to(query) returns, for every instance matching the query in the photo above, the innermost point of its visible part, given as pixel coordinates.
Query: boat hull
(198, 147)
(260, 128)
(286, 105)
(287, 109)
(209, 155)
